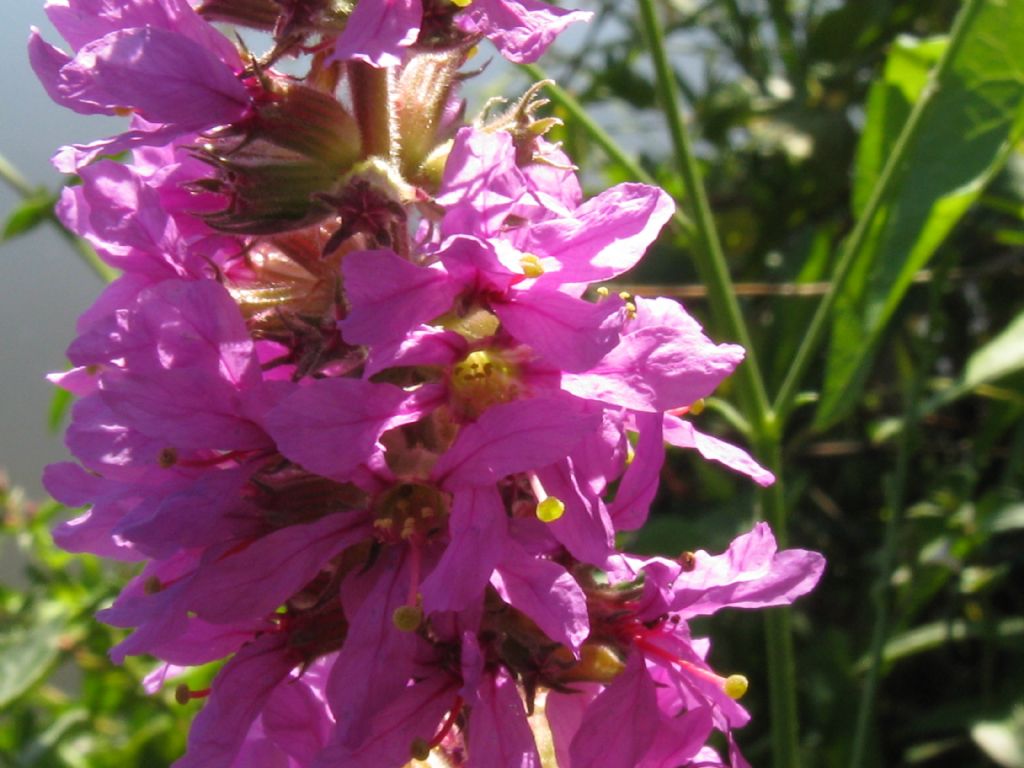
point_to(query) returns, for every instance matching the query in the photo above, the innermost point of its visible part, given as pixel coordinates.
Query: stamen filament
(549, 508)
(183, 694)
(733, 686)
(448, 724)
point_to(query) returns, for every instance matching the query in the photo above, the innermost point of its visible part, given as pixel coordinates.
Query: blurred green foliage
(904, 452)
(62, 703)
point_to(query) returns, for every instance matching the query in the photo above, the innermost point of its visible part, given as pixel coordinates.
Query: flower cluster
(360, 405)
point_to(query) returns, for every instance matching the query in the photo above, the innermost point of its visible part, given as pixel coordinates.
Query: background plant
(853, 208)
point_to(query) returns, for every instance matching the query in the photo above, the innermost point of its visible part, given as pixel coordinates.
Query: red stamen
(220, 458)
(243, 545)
(183, 694)
(704, 674)
(449, 723)
(415, 567)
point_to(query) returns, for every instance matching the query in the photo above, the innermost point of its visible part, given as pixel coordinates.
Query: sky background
(43, 286)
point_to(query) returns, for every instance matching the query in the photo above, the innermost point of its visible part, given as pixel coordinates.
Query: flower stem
(17, 181)
(895, 492)
(708, 254)
(783, 404)
(714, 271)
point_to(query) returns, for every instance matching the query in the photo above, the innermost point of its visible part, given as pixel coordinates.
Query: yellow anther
(474, 325)
(602, 292)
(407, 618)
(408, 528)
(598, 663)
(482, 379)
(697, 407)
(385, 524)
(531, 265)
(550, 509)
(735, 686)
(625, 295)
(630, 309)
(462, 3)
(630, 454)
(419, 749)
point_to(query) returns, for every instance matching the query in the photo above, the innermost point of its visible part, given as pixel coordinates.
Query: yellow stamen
(531, 265)
(550, 509)
(697, 408)
(407, 618)
(602, 292)
(598, 663)
(735, 686)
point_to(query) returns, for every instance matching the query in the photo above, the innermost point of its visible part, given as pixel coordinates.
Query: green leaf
(1002, 740)
(30, 214)
(27, 652)
(998, 358)
(889, 103)
(59, 404)
(995, 360)
(959, 135)
(932, 636)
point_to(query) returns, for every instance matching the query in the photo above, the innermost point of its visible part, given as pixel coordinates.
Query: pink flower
(158, 59)
(369, 426)
(380, 32)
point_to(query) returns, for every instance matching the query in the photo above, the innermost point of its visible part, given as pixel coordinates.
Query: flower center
(482, 379)
(409, 512)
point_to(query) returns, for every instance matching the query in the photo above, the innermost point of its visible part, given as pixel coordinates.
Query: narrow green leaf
(32, 212)
(969, 116)
(1002, 740)
(1000, 357)
(889, 103)
(59, 404)
(26, 655)
(931, 636)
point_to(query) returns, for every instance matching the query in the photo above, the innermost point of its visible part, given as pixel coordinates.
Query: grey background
(43, 286)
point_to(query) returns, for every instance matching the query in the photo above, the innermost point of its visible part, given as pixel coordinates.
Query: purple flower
(158, 60)
(360, 410)
(381, 32)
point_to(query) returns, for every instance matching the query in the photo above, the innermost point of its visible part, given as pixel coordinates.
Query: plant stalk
(767, 430)
(17, 181)
(708, 254)
(783, 404)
